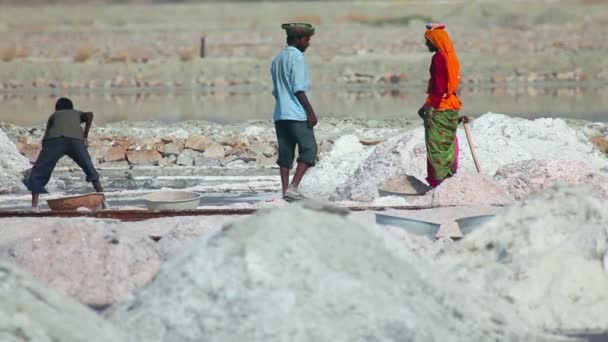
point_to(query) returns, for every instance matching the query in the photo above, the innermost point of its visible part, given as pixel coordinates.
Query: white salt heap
(500, 140)
(298, 274)
(30, 312)
(523, 178)
(335, 168)
(11, 165)
(403, 154)
(543, 257)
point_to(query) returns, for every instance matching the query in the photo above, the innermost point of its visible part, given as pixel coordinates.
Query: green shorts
(291, 133)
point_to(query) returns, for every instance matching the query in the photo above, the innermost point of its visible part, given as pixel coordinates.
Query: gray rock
(186, 158)
(120, 165)
(248, 157)
(198, 142)
(262, 148)
(215, 150)
(267, 162)
(169, 149)
(203, 161)
(227, 160)
(169, 160)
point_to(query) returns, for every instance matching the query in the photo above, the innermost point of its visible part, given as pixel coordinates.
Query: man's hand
(312, 120)
(310, 113)
(463, 119)
(86, 142)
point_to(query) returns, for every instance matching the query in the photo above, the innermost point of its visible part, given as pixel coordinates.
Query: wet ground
(207, 199)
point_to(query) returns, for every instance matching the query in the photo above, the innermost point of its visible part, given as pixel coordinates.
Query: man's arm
(310, 113)
(49, 123)
(87, 118)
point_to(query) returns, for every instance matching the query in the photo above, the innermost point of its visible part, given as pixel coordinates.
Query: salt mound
(404, 154)
(502, 140)
(529, 176)
(30, 312)
(466, 189)
(84, 258)
(499, 140)
(543, 257)
(11, 165)
(321, 181)
(298, 274)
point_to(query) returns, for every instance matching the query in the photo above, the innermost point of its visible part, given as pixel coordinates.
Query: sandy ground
(497, 41)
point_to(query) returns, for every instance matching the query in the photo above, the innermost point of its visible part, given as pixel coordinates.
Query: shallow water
(26, 108)
(207, 199)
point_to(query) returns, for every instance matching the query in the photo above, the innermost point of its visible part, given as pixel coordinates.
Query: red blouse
(438, 83)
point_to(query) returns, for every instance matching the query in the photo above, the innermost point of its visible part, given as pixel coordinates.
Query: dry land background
(547, 52)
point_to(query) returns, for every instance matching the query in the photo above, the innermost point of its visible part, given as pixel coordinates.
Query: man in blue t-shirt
(294, 117)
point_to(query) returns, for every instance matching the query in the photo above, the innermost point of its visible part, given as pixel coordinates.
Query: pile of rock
(194, 150)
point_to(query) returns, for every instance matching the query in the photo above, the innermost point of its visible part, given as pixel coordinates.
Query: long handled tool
(472, 146)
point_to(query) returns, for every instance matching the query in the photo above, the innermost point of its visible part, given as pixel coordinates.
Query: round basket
(91, 201)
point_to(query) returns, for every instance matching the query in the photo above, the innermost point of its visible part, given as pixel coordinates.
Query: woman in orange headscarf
(440, 111)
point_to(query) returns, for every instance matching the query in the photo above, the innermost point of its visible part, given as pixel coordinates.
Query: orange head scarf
(437, 34)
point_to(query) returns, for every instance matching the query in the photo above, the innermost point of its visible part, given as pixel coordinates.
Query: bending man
(64, 136)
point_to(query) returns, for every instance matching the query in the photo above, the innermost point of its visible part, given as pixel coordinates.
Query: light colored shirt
(289, 76)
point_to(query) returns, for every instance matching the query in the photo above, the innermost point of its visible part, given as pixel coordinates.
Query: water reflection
(223, 106)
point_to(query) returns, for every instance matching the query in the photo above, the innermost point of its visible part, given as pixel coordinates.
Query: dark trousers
(53, 150)
(291, 133)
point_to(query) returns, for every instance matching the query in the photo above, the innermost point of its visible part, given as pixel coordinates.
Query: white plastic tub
(172, 200)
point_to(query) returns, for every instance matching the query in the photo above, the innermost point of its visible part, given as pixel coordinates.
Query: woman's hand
(421, 112)
(463, 119)
(428, 116)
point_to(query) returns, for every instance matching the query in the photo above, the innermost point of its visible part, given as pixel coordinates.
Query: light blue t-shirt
(289, 76)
